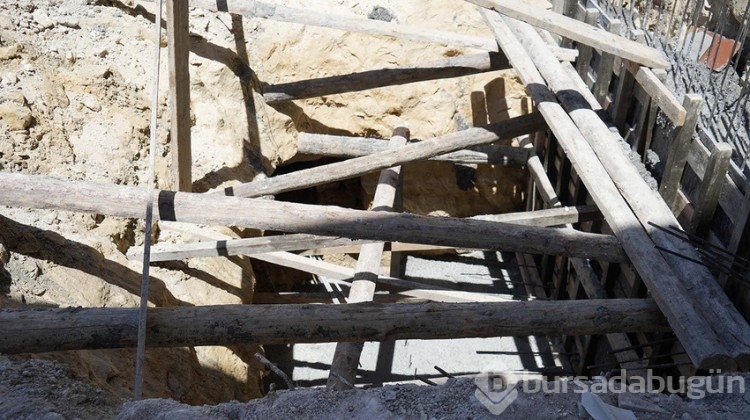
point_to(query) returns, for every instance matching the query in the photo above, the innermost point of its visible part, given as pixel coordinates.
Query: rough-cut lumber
(46, 330)
(679, 149)
(590, 16)
(178, 46)
(344, 146)
(549, 217)
(279, 13)
(577, 31)
(606, 66)
(441, 69)
(710, 188)
(245, 246)
(658, 92)
(358, 166)
(347, 354)
(692, 282)
(34, 191)
(700, 340)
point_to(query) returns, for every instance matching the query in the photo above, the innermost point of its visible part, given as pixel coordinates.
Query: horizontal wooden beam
(440, 69)
(355, 167)
(659, 93)
(35, 191)
(54, 329)
(577, 31)
(279, 13)
(344, 146)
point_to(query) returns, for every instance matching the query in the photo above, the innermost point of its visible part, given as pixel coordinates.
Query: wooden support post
(585, 52)
(651, 120)
(344, 146)
(45, 330)
(577, 31)
(710, 188)
(346, 357)
(694, 331)
(353, 168)
(178, 44)
(441, 69)
(691, 281)
(116, 200)
(606, 65)
(679, 149)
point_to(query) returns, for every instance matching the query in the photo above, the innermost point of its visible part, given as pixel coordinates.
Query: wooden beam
(710, 188)
(42, 192)
(355, 167)
(577, 31)
(178, 46)
(344, 146)
(694, 331)
(441, 69)
(679, 149)
(279, 13)
(692, 282)
(53, 329)
(347, 354)
(606, 66)
(659, 93)
(590, 16)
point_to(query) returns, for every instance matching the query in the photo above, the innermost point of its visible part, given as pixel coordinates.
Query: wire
(141, 344)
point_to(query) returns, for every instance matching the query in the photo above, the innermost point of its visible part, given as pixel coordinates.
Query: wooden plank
(372, 79)
(346, 356)
(585, 52)
(692, 282)
(355, 167)
(710, 188)
(731, 197)
(606, 65)
(323, 245)
(292, 298)
(178, 47)
(694, 331)
(56, 329)
(577, 31)
(651, 120)
(680, 148)
(43, 192)
(345, 146)
(280, 13)
(659, 93)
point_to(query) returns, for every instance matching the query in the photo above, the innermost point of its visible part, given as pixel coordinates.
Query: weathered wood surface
(589, 16)
(692, 282)
(694, 331)
(178, 47)
(710, 188)
(355, 167)
(47, 330)
(347, 354)
(577, 31)
(606, 66)
(659, 93)
(679, 149)
(441, 69)
(344, 146)
(34, 191)
(280, 13)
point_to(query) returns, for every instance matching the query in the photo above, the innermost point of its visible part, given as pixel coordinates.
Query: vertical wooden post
(179, 92)
(624, 95)
(590, 16)
(710, 188)
(679, 150)
(651, 121)
(606, 66)
(346, 356)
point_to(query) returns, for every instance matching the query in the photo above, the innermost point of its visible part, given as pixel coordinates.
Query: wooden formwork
(595, 255)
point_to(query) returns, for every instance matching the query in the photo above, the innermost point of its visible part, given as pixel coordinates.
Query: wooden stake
(56, 329)
(178, 44)
(710, 188)
(346, 357)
